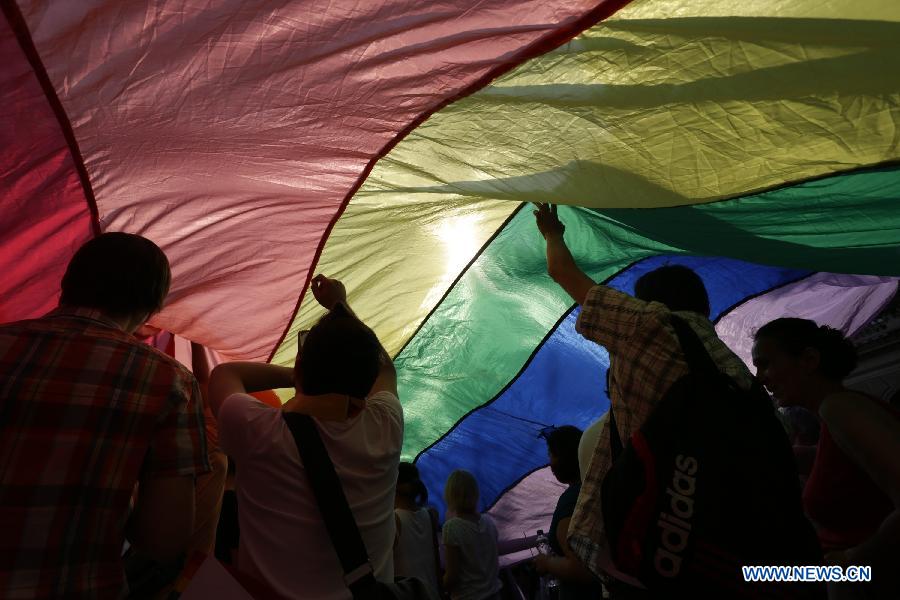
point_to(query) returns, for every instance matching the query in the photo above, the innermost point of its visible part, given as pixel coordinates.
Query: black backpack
(707, 485)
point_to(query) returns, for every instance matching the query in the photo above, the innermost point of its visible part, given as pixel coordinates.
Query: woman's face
(785, 375)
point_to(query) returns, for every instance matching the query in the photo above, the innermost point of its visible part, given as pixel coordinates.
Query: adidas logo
(675, 525)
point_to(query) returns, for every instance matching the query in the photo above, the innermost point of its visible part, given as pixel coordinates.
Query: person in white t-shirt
(470, 543)
(415, 549)
(347, 382)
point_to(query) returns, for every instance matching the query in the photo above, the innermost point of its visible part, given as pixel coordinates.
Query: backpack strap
(329, 494)
(615, 442)
(698, 359)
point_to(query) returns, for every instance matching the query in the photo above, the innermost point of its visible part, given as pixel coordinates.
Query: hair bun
(838, 353)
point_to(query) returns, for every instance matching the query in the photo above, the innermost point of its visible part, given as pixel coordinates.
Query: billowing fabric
(665, 103)
(845, 302)
(45, 216)
(249, 123)
(504, 304)
(396, 145)
(522, 511)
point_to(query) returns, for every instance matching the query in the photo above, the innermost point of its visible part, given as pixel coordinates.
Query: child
(415, 547)
(470, 541)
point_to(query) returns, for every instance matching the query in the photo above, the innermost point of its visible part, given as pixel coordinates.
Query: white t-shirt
(414, 552)
(479, 569)
(284, 542)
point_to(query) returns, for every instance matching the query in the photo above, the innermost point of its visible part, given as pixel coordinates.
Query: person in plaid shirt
(645, 360)
(86, 413)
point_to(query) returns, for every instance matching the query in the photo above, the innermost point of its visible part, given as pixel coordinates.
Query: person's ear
(136, 322)
(145, 331)
(810, 359)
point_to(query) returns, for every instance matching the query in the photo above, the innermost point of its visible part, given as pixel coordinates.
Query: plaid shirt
(85, 412)
(645, 360)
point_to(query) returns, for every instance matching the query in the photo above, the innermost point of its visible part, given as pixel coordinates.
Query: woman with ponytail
(415, 547)
(853, 491)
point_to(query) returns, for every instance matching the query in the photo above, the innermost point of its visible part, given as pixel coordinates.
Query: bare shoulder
(850, 407)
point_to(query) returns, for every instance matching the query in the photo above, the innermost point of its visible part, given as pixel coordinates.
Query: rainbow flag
(397, 144)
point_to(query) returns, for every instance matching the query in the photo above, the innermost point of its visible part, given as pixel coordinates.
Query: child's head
(409, 486)
(461, 492)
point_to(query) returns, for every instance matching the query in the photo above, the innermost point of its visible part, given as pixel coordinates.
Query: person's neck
(405, 504)
(328, 407)
(818, 390)
(127, 323)
(473, 516)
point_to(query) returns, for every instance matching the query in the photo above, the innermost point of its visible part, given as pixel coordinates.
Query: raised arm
(332, 295)
(387, 376)
(246, 377)
(561, 265)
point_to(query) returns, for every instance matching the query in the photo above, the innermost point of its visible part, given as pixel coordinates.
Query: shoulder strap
(615, 442)
(698, 359)
(329, 495)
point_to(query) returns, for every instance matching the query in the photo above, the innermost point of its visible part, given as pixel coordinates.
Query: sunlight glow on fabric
(460, 241)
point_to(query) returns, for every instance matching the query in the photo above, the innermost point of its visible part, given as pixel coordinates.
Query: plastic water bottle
(549, 583)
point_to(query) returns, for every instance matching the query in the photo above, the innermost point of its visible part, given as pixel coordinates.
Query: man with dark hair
(119, 274)
(87, 412)
(645, 360)
(676, 286)
(346, 381)
(562, 448)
